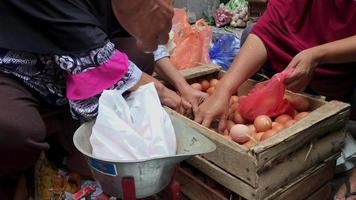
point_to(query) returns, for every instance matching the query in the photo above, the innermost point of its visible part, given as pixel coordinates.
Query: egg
(238, 119)
(289, 123)
(277, 126)
(233, 107)
(258, 136)
(240, 133)
(196, 86)
(300, 103)
(213, 82)
(282, 119)
(234, 99)
(211, 90)
(205, 85)
(262, 123)
(249, 144)
(268, 134)
(300, 116)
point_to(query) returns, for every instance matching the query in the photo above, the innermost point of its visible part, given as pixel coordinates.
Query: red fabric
(290, 26)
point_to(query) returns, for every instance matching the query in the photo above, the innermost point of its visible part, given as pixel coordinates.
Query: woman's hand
(214, 107)
(173, 100)
(304, 64)
(193, 96)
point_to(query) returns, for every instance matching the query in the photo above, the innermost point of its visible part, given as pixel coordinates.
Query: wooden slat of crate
(245, 163)
(236, 185)
(307, 185)
(194, 189)
(322, 193)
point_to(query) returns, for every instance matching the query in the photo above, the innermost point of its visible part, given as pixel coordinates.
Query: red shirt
(290, 26)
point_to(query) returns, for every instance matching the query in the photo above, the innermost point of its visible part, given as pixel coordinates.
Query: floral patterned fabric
(45, 74)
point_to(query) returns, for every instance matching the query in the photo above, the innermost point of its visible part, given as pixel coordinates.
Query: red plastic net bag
(267, 98)
(192, 43)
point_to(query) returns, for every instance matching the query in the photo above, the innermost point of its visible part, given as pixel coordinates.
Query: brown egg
(240, 133)
(289, 123)
(268, 134)
(234, 99)
(262, 123)
(259, 135)
(196, 86)
(277, 126)
(233, 107)
(301, 115)
(238, 119)
(213, 82)
(249, 144)
(205, 85)
(211, 90)
(282, 119)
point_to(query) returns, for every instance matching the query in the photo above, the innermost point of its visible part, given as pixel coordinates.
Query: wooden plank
(297, 163)
(322, 193)
(194, 189)
(280, 174)
(313, 179)
(219, 175)
(199, 71)
(329, 117)
(227, 153)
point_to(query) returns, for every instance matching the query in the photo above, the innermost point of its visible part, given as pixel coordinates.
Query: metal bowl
(151, 175)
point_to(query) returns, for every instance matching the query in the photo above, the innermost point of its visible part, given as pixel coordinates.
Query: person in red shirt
(316, 38)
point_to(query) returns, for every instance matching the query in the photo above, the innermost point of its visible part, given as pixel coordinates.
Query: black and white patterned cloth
(45, 74)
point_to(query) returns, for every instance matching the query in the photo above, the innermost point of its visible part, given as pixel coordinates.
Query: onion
(213, 82)
(262, 123)
(277, 126)
(211, 90)
(268, 134)
(240, 133)
(289, 123)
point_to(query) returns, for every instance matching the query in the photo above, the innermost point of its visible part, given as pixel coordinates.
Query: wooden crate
(299, 147)
(315, 178)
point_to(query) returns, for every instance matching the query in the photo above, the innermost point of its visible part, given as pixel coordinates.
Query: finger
(222, 125)
(295, 76)
(207, 121)
(297, 86)
(198, 117)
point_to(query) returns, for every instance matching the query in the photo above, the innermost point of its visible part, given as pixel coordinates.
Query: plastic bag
(192, 43)
(132, 129)
(267, 98)
(224, 49)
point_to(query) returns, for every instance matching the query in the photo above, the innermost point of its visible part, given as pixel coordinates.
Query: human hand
(214, 107)
(149, 21)
(193, 96)
(304, 64)
(174, 101)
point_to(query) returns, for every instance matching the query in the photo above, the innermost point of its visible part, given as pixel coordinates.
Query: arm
(168, 71)
(248, 61)
(305, 62)
(149, 21)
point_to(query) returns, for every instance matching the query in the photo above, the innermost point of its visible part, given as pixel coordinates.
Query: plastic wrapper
(224, 49)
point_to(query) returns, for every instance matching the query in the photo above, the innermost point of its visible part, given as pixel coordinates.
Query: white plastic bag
(131, 129)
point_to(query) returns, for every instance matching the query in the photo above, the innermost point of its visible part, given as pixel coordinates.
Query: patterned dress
(46, 75)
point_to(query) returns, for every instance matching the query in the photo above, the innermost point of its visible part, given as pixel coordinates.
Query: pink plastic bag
(192, 42)
(267, 98)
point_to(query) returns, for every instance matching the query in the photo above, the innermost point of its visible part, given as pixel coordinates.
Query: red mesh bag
(267, 98)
